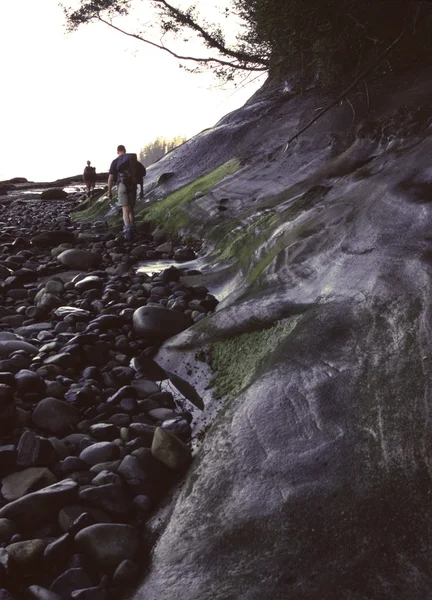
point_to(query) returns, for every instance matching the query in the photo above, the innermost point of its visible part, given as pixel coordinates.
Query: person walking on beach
(89, 177)
(127, 172)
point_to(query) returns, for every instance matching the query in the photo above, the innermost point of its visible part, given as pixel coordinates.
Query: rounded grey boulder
(159, 322)
(168, 449)
(9, 346)
(17, 485)
(55, 416)
(39, 593)
(80, 259)
(25, 554)
(40, 507)
(99, 453)
(52, 238)
(108, 543)
(54, 194)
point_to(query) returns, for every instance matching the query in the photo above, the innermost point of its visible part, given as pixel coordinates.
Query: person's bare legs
(131, 216)
(129, 221)
(126, 215)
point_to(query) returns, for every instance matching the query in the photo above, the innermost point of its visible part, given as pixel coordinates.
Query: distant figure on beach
(89, 177)
(127, 172)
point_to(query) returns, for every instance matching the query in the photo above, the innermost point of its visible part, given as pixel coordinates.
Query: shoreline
(14, 184)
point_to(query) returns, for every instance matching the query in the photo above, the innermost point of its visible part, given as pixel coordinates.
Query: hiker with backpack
(89, 177)
(127, 172)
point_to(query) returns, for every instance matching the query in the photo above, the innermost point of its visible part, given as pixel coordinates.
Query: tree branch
(219, 61)
(212, 41)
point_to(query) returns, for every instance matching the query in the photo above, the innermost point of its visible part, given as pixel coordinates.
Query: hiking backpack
(89, 174)
(130, 170)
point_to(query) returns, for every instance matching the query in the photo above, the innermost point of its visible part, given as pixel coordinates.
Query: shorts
(125, 196)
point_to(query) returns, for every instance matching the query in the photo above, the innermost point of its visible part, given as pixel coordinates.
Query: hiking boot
(128, 233)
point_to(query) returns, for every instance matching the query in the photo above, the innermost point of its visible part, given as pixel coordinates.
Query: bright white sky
(69, 98)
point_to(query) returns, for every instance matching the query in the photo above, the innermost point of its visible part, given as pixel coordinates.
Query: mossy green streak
(240, 360)
(94, 210)
(169, 212)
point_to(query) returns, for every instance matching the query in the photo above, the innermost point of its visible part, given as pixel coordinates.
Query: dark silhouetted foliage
(323, 39)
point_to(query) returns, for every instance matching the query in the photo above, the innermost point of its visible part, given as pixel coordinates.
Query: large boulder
(36, 592)
(28, 330)
(159, 323)
(40, 507)
(170, 450)
(55, 416)
(99, 453)
(53, 238)
(108, 544)
(81, 260)
(26, 554)
(54, 194)
(18, 484)
(7, 347)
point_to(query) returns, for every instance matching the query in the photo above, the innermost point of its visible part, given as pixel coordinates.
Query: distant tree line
(154, 150)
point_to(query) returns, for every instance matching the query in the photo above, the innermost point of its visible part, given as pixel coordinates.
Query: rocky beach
(93, 432)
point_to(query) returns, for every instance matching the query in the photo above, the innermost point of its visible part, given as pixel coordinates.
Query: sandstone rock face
(313, 481)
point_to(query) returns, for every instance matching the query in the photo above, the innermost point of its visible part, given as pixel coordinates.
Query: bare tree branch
(208, 60)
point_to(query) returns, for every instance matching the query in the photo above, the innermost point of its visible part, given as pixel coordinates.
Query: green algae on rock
(170, 211)
(239, 360)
